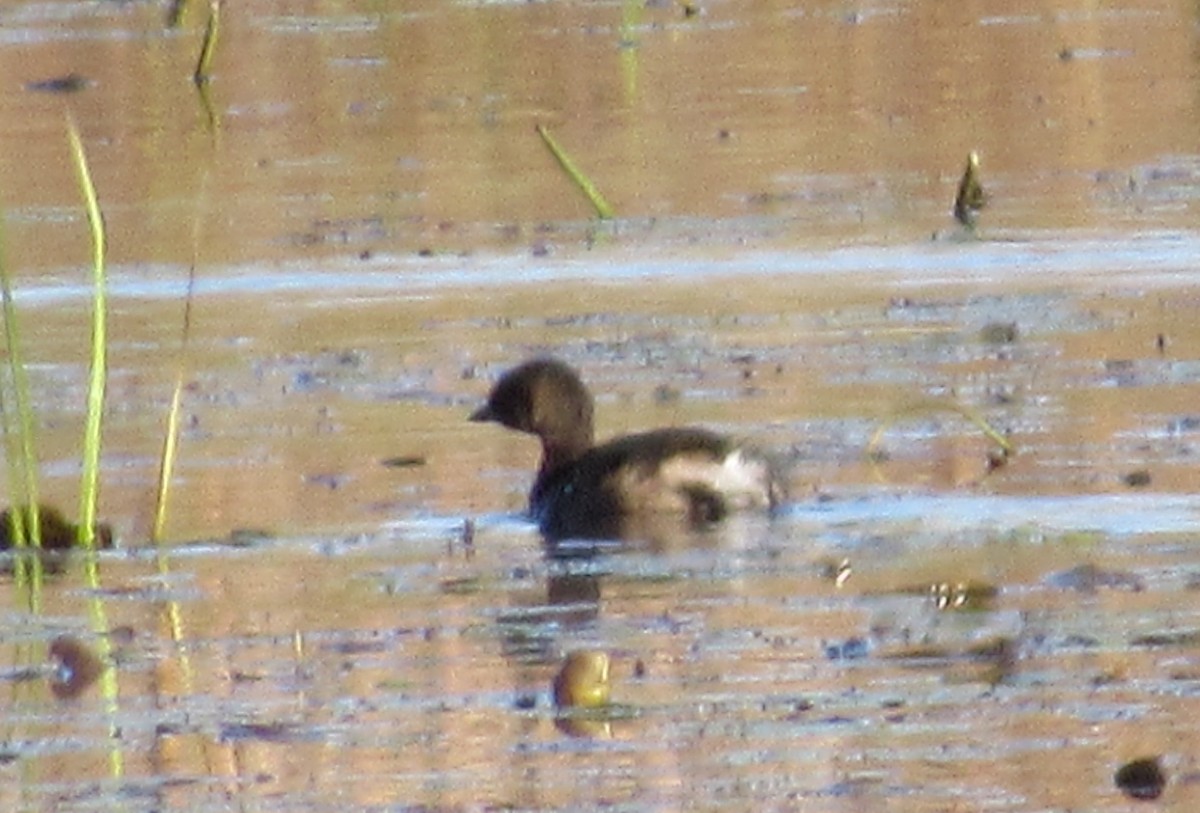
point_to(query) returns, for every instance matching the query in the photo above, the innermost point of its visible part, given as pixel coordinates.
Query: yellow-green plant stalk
(632, 12)
(90, 480)
(25, 526)
(176, 13)
(209, 46)
(19, 437)
(174, 613)
(166, 464)
(603, 210)
(109, 689)
(170, 446)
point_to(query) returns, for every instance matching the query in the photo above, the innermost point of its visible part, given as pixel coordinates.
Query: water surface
(374, 232)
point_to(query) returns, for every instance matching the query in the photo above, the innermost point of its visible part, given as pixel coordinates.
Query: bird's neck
(557, 458)
(558, 453)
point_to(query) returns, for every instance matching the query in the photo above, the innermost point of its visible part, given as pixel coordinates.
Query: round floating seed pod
(583, 680)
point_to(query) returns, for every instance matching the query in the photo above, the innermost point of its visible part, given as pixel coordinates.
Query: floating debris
(1188, 638)
(1140, 478)
(960, 595)
(998, 333)
(76, 667)
(276, 732)
(583, 680)
(581, 694)
(70, 83)
(1141, 779)
(851, 649)
(249, 537)
(837, 571)
(970, 198)
(1089, 578)
(404, 461)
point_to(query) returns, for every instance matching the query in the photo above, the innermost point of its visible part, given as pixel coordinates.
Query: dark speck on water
(404, 461)
(76, 667)
(70, 83)
(1142, 779)
(1137, 479)
(1089, 578)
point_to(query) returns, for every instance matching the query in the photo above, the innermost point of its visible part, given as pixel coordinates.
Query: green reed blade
(19, 438)
(177, 12)
(209, 46)
(25, 526)
(90, 478)
(90, 481)
(603, 210)
(166, 464)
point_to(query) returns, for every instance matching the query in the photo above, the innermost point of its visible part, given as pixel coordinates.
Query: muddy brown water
(377, 233)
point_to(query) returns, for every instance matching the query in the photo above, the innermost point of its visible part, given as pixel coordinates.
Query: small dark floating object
(1142, 779)
(1187, 423)
(1089, 578)
(404, 461)
(970, 198)
(70, 83)
(1137, 479)
(249, 537)
(466, 586)
(76, 667)
(356, 647)
(1159, 639)
(267, 732)
(852, 649)
(999, 333)
(996, 459)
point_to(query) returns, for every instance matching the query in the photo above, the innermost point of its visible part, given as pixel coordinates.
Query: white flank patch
(743, 480)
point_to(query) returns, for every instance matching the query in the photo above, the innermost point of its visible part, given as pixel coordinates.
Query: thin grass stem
(603, 210)
(203, 70)
(90, 478)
